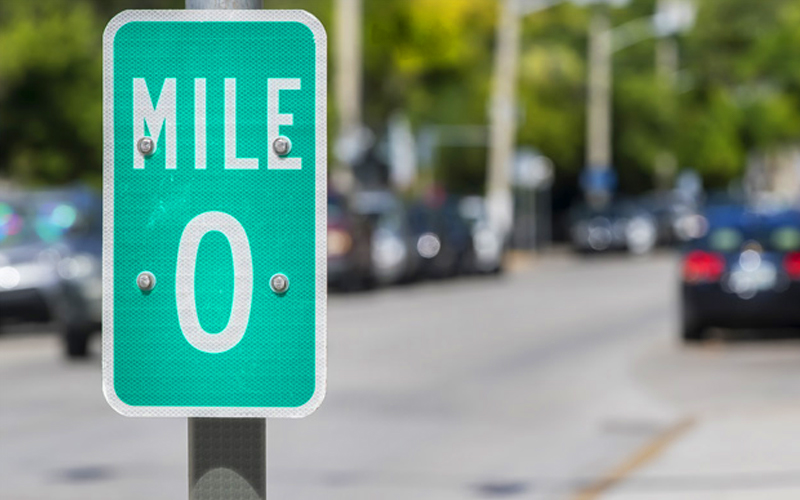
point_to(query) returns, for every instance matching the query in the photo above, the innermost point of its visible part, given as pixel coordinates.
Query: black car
(393, 247)
(743, 273)
(50, 262)
(675, 216)
(443, 239)
(349, 246)
(619, 226)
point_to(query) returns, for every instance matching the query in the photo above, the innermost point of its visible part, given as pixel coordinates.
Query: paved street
(562, 380)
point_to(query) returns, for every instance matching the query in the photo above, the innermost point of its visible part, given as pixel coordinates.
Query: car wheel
(356, 282)
(692, 330)
(76, 342)
(499, 269)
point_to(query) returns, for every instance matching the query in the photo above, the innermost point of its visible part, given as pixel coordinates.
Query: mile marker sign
(214, 225)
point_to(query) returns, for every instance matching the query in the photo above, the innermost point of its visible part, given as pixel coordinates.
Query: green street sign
(214, 226)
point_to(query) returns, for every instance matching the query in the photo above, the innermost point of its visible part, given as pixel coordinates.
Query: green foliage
(50, 78)
(738, 89)
(51, 85)
(431, 58)
(741, 84)
(552, 86)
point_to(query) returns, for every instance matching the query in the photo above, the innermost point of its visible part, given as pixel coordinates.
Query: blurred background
(563, 250)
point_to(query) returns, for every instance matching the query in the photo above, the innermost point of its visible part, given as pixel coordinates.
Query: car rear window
(725, 239)
(785, 239)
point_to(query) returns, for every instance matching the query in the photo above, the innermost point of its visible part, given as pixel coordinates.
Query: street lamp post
(503, 105)
(503, 110)
(503, 124)
(598, 109)
(671, 17)
(348, 89)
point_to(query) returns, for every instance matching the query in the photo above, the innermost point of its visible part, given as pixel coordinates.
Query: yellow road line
(642, 456)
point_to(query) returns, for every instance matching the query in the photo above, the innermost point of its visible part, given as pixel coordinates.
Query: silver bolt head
(146, 146)
(282, 146)
(146, 281)
(279, 283)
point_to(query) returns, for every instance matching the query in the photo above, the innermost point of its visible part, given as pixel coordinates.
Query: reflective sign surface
(214, 183)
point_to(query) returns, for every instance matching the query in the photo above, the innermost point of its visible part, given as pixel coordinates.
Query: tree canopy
(737, 89)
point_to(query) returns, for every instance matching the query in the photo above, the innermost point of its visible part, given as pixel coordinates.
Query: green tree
(738, 90)
(50, 106)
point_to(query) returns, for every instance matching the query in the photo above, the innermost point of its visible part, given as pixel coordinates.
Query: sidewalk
(743, 456)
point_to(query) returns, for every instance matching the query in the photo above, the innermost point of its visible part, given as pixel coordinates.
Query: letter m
(155, 117)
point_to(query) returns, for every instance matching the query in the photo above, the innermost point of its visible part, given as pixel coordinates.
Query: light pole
(598, 110)
(502, 119)
(348, 87)
(503, 105)
(671, 17)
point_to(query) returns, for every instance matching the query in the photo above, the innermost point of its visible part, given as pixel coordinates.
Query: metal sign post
(227, 459)
(214, 228)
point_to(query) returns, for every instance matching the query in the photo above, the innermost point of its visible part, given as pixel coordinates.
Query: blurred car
(620, 226)
(393, 246)
(349, 246)
(743, 273)
(675, 216)
(50, 263)
(443, 239)
(487, 243)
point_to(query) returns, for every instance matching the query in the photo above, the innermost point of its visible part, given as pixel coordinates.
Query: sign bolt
(146, 281)
(146, 146)
(279, 283)
(282, 146)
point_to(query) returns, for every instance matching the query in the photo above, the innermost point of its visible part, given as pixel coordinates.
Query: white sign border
(320, 38)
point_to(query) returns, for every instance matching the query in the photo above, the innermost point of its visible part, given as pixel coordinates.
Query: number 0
(242, 282)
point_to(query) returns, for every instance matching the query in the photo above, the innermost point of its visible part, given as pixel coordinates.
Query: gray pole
(668, 60)
(227, 456)
(348, 86)
(503, 124)
(598, 122)
(667, 66)
(227, 459)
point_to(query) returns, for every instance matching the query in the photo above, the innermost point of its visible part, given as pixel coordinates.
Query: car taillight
(339, 242)
(791, 263)
(700, 266)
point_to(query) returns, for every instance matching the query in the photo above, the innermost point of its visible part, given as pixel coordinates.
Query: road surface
(562, 380)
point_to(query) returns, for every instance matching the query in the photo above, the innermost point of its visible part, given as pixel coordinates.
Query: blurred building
(775, 174)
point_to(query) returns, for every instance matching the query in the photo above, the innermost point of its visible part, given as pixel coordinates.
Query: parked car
(22, 296)
(349, 246)
(620, 226)
(50, 263)
(443, 239)
(487, 242)
(393, 245)
(743, 273)
(675, 216)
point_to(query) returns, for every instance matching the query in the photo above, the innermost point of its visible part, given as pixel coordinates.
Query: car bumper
(711, 306)
(27, 304)
(342, 270)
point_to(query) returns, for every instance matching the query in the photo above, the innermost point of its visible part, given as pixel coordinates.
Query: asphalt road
(563, 379)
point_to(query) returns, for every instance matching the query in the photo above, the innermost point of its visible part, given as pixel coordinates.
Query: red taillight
(791, 263)
(700, 266)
